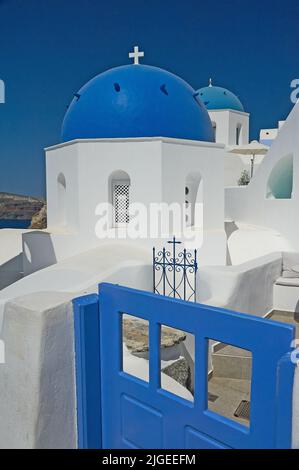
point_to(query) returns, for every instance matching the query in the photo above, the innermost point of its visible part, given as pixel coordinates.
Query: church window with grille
(121, 202)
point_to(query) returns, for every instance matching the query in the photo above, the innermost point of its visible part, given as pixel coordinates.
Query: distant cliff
(39, 220)
(14, 206)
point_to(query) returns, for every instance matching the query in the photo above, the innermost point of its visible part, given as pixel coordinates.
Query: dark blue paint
(216, 97)
(138, 414)
(137, 101)
(14, 223)
(88, 379)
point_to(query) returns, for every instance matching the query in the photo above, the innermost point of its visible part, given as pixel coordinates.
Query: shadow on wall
(38, 251)
(230, 228)
(11, 271)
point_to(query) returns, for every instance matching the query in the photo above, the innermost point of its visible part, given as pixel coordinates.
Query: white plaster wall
(98, 160)
(250, 205)
(37, 387)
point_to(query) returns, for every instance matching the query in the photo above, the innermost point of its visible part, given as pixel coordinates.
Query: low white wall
(83, 272)
(37, 386)
(247, 242)
(247, 287)
(286, 298)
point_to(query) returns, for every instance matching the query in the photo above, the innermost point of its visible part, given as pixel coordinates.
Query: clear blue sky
(50, 48)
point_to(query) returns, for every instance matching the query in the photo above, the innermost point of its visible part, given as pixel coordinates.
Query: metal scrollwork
(174, 274)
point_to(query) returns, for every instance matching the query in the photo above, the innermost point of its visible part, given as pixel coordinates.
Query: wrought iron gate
(174, 274)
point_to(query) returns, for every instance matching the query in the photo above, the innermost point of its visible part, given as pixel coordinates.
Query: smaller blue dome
(216, 97)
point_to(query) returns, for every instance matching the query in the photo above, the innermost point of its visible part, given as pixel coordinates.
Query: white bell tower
(230, 121)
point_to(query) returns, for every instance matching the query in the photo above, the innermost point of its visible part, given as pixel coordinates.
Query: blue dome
(137, 101)
(216, 97)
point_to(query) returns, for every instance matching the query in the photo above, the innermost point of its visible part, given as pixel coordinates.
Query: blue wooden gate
(117, 410)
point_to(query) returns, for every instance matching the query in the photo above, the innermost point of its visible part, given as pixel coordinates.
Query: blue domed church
(136, 135)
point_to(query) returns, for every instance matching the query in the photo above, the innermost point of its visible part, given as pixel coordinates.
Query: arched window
(238, 134)
(119, 187)
(194, 200)
(280, 182)
(61, 199)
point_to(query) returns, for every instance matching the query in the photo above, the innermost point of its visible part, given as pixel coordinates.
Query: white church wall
(238, 124)
(220, 120)
(157, 169)
(62, 188)
(232, 128)
(141, 160)
(180, 161)
(251, 204)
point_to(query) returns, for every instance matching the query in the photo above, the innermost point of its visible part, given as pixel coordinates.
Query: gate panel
(139, 414)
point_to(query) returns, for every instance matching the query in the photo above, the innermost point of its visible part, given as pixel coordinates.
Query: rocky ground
(136, 337)
(180, 372)
(39, 219)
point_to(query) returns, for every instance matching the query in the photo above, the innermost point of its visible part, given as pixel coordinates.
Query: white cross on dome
(135, 55)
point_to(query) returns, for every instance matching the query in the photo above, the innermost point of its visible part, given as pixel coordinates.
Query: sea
(14, 223)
